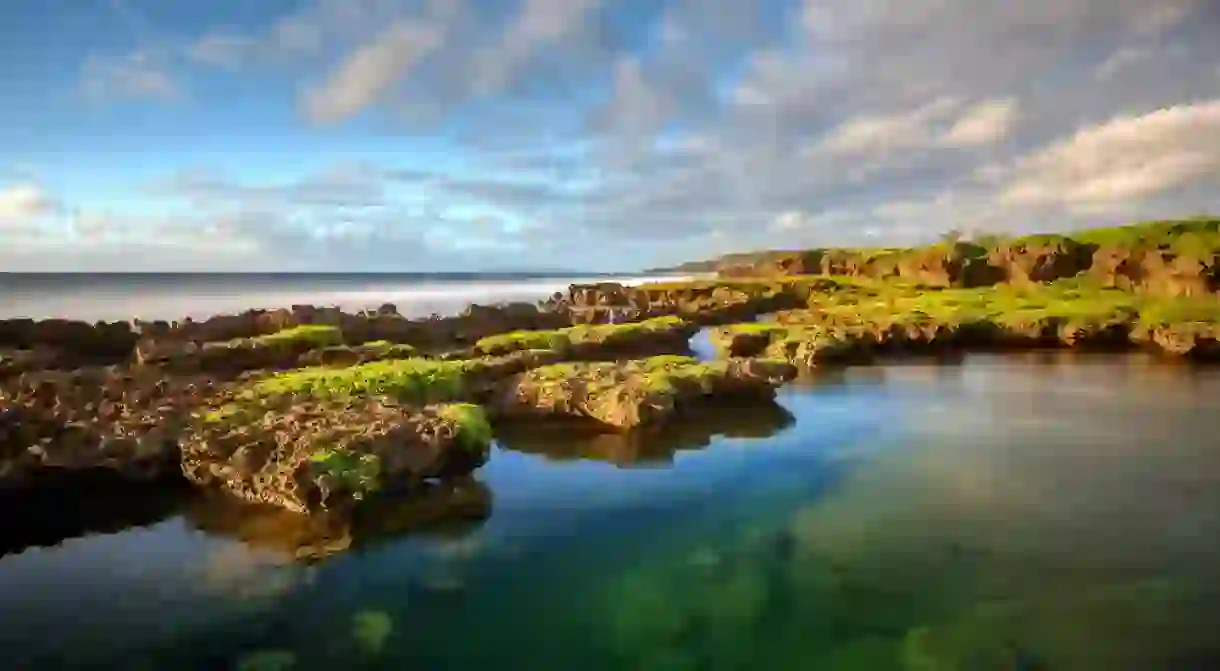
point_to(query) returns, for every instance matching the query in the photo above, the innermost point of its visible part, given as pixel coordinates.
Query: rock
(697, 302)
(308, 454)
(635, 393)
(56, 424)
(350, 355)
(743, 340)
(182, 342)
(17, 361)
(660, 335)
(77, 343)
(278, 350)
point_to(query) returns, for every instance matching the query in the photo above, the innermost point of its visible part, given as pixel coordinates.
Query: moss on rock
(658, 334)
(307, 454)
(635, 393)
(843, 325)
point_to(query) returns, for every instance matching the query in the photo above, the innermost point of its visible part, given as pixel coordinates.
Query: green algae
(312, 335)
(371, 630)
(411, 380)
(473, 430)
(358, 473)
(565, 338)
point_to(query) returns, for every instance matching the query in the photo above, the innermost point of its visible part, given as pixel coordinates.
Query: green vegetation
(1070, 301)
(842, 320)
(663, 374)
(358, 473)
(1197, 238)
(562, 339)
(371, 631)
(314, 335)
(1183, 236)
(388, 350)
(408, 380)
(473, 430)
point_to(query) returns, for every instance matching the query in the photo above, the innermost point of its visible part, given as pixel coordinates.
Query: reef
(323, 412)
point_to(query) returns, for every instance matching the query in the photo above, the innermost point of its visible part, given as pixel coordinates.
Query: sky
(600, 135)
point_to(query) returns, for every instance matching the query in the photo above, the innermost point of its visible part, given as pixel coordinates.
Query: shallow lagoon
(1028, 512)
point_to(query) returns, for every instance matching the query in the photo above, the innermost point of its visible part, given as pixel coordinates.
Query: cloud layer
(617, 134)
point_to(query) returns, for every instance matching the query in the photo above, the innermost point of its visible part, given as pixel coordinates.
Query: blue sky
(426, 135)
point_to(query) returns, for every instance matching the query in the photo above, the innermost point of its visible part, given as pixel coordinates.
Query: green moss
(226, 412)
(410, 380)
(315, 335)
(561, 339)
(521, 340)
(359, 474)
(1201, 233)
(473, 430)
(390, 350)
(371, 631)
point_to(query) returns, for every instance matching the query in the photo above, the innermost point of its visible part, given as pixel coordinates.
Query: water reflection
(46, 517)
(444, 510)
(564, 442)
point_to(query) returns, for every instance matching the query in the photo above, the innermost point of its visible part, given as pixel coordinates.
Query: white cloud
(790, 220)
(1122, 160)
(986, 123)
(367, 73)
(893, 119)
(940, 123)
(885, 134)
(538, 25)
(23, 201)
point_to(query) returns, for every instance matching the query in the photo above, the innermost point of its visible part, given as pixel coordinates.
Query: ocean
(167, 296)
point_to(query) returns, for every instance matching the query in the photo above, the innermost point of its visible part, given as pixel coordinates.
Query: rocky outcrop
(659, 335)
(812, 337)
(1164, 259)
(265, 342)
(698, 302)
(353, 355)
(56, 424)
(17, 361)
(62, 343)
(1157, 271)
(625, 395)
(279, 350)
(308, 454)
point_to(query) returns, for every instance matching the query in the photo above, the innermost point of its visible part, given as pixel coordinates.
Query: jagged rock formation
(55, 423)
(635, 393)
(309, 454)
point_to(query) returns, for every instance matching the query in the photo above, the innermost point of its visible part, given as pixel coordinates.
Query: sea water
(997, 512)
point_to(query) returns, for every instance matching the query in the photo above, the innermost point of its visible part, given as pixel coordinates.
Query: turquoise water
(1000, 513)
